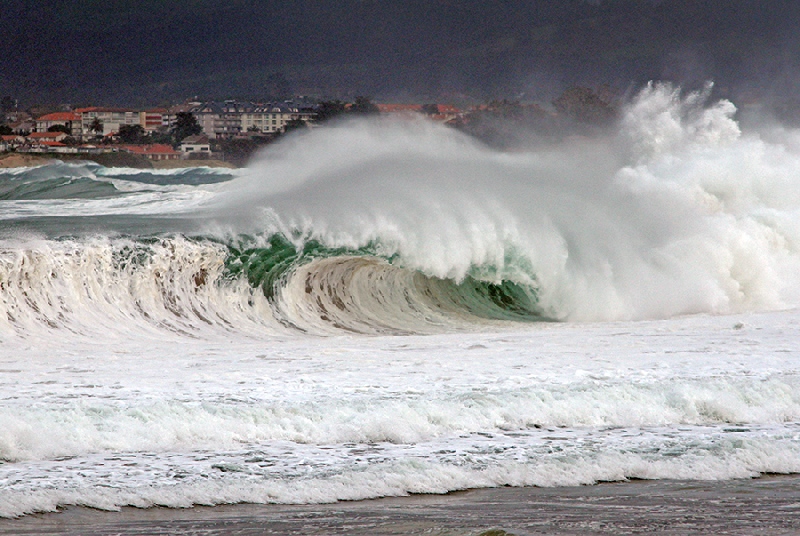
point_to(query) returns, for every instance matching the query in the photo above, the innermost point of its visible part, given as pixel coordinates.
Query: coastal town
(231, 130)
(190, 131)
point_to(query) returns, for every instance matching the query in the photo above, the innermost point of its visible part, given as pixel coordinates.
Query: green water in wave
(265, 266)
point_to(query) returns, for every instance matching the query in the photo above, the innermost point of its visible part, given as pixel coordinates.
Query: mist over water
(676, 212)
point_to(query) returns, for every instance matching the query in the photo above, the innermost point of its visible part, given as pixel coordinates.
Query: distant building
(154, 119)
(273, 117)
(404, 109)
(444, 112)
(12, 141)
(230, 118)
(220, 119)
(23, 126)
(196, 145)
(56, 147)
(37, 137)
(70, 120)
(155, 151)
(435, 112)
(110, 118)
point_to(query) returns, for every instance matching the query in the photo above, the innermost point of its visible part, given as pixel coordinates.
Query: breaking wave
(410, 227)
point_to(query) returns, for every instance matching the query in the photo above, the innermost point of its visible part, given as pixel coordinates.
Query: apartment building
(273, 117)
(110, 119)
(229, 118)
(220, 119)
(154, 119)
(70, 120)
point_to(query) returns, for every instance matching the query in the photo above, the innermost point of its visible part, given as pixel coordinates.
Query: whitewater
(376, 308)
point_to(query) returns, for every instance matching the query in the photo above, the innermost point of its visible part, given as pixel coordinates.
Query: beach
(767, 505)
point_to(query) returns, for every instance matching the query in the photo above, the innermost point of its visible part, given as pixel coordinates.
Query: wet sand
(765, 506)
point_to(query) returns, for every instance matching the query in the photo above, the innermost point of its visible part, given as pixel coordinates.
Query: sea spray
(679, 213)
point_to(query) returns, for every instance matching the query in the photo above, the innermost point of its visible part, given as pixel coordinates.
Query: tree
(96, 126)
(162, 135)
(6, 130)
(363, 106)
(237, 150)
(327, 110)
(585, 106)
(131, 133)
(60, 128)
(294, 124)
(185, 125)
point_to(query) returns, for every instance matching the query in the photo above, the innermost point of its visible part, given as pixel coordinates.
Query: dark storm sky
(152, 51)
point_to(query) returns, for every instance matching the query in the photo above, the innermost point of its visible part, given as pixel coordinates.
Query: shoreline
(766, 505)
(23, 160)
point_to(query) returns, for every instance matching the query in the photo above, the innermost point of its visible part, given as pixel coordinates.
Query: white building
(110, 118)
(195, 145)
(229, 118)
(273, 117)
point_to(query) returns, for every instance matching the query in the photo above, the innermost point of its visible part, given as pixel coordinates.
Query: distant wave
(87, 180)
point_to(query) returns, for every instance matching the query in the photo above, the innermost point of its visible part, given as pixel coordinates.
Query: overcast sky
(151, 51)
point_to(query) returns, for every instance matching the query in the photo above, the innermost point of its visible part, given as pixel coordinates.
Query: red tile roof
(45, 135)
(398, 108)
(447, 109)
(101, 109)
(60, 116)
(156, 148)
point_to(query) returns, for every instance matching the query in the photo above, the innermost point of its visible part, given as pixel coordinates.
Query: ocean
(381, 308)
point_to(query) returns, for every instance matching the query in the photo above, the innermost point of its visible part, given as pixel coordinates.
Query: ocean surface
(378, 308)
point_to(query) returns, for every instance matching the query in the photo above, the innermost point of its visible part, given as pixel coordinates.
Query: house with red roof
(436, 112)
(445, 112)
(154, 151)
(70, 120)
(404, 109)
(12, 141)
(36, 137)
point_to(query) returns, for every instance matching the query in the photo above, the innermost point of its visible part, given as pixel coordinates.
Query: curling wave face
(189, 286)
